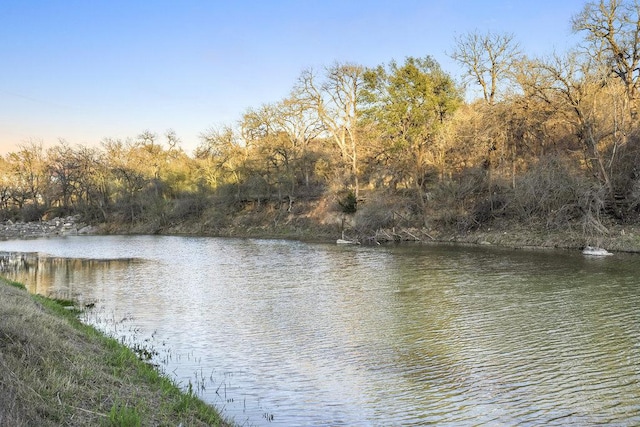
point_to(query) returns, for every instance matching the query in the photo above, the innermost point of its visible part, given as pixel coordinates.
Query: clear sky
(85, 70)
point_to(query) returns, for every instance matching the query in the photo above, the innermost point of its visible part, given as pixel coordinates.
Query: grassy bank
(56, 371)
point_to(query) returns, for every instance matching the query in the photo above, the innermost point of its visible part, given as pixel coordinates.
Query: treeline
(552, 142)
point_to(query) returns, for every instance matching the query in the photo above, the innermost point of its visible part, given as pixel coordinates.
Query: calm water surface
(285, 333)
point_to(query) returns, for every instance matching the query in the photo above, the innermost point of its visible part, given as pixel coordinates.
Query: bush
(188, 207)
(552, 191)
(378, 212)
(348, 203)
(31, 213)
(461, 201)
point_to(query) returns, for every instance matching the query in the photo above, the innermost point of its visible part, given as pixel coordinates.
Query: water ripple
(293, 334)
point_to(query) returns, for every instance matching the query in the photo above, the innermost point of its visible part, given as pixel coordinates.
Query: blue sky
(83, 70)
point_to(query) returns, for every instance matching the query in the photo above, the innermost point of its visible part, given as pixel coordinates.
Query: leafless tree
(488, 59)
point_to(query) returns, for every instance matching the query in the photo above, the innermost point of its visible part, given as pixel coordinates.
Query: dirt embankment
(315, 223)
(617, 238)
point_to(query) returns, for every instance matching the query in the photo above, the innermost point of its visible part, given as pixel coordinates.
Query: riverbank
(312, 226)
(613, 237)
(55, 371)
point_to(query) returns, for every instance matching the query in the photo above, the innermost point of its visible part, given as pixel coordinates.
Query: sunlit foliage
(553, 141)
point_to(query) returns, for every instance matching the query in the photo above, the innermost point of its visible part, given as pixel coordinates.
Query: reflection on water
(287, 333)
(54, 277)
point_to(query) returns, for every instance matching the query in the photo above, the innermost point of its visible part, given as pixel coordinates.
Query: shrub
(348, 203)
(188, 207)
(377, 213)
(31, 213)
(551, 190)
(461, 201)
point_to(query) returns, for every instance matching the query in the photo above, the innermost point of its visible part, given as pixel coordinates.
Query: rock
(87, 229)
(53, 227)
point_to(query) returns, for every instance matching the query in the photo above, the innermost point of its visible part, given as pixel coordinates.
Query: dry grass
(55, 371)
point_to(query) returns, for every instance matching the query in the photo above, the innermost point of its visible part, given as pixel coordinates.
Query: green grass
(125, 416)
(55, 370)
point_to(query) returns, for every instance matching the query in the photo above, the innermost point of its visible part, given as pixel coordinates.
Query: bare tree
(577, 85)
(613, 35)
(220, 155)
(337, 101)
(283, 132)
(64, 171)
(28, 168)
(295, 119)
(488, 59)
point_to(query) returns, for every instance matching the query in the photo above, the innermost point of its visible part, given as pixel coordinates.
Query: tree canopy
(553, 141)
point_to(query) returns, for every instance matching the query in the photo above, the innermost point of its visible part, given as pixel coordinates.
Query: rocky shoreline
(68, 226)
(618, 238)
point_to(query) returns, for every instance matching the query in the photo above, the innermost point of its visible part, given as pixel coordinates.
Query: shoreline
(618, 238)
(516, 236)
(56, 370)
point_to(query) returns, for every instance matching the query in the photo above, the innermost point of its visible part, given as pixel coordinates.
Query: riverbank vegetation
(56, 371)
(552, 146)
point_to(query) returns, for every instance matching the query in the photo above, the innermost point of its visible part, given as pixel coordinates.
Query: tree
(6, 187)
(179, 172)
(92, 182)
(64, 171)
(280, 134)
(28, 169)
(296, 120)
(221, 155)
(410, 103)
(337, 101)
(613, 35)
(488, 59)
(579, 87)
(127, 178)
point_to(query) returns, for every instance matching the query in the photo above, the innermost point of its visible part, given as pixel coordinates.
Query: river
(285, 333)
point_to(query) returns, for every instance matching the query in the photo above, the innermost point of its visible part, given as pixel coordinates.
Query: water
(286, 333)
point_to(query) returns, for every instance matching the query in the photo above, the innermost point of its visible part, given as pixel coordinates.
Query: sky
(83, 71)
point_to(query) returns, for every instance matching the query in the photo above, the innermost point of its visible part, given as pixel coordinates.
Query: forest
(550, 143)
